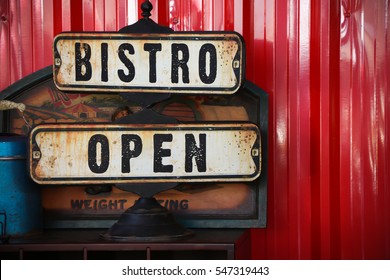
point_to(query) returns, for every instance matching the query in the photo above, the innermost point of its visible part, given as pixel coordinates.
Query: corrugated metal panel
(323, 63)
(5, 78)
(27, 29)
(364, 104)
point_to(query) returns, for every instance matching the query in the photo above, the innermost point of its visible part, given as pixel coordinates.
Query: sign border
(226, 126)
(209, 35)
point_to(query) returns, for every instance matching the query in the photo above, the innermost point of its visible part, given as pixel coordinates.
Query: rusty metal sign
(113, 153)
(186, 63)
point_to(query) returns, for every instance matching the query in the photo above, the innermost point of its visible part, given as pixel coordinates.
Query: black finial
(145, 24)
(146, 7)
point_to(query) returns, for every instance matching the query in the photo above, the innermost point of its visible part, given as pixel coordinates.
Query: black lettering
(182, 63)
(97, 204)
(82, 63)
(113, 205)
(76, 204)
(122, 203)
(193, 151)
(184, 204)
(159, 153)
(204, 50)
(93, 164)
(127, 152)
(173, 204)
(87, 204)
(126, 61)
(104, 47)
(102, 204)
(152, 49)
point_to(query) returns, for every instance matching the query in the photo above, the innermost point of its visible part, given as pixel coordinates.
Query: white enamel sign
(113, 153)
(186, 63)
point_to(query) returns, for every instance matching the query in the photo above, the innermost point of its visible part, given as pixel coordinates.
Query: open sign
(190, 63)
(116, 153)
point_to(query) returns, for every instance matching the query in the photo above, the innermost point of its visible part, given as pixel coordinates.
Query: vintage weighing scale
(148, 152)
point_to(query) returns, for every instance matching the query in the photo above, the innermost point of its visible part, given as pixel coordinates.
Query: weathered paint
(20, 198)
(230, 205)
(324, 64)
(175, 63)
(97, 154)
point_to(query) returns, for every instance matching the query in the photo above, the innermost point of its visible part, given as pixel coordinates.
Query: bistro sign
(117, 153)
(185, 63)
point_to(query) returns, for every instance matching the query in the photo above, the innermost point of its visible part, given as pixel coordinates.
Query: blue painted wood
(20, 197)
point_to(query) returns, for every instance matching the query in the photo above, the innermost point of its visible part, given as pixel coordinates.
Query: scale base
(146, 221)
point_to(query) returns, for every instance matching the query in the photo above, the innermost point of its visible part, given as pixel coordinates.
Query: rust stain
(228, 153)
(52, 161)
(227, 46)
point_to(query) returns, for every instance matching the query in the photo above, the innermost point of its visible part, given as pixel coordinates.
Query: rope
(9, 105)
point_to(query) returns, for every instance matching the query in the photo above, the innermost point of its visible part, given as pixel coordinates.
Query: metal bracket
(146, 220)
(145, 25)
(146, 116)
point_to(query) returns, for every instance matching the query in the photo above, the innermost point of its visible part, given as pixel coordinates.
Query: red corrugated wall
(325, 66)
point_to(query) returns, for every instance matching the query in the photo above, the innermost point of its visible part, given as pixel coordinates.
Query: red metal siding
(325, 66)
(364, 103)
